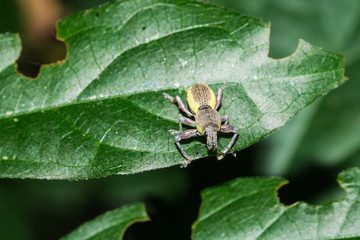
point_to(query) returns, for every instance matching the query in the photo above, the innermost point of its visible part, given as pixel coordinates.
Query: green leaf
(334, 134)
(111, 225)
(330, 132)
(314, 21)
(102, 111)
(247, 208)
(282, 147)
(331, 125)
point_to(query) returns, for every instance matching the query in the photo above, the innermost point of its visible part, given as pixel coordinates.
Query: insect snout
(211, 138)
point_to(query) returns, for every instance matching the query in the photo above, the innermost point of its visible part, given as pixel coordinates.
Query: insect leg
(177, 100)
(185, 135)
(228, 129)
(183, 120)
(219, 96)
(225, 118)
(230, 151)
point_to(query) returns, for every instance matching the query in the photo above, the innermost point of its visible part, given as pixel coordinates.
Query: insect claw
(167, 96)
(173, 132)
(223, 153)
(186, 162)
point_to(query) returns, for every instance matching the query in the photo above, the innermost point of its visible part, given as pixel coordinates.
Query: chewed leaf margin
(248, 208)
(102, 111)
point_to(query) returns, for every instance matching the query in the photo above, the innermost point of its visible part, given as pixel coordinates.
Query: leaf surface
(334, 133)
(247, 208)
(110, 225)
(102, 111)
(327, 133)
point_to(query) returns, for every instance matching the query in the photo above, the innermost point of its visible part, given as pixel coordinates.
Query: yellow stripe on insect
(200, 95)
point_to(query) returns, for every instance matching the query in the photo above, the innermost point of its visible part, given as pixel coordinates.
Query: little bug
(203, 106)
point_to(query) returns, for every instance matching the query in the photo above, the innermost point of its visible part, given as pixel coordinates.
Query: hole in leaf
(315, 185)
(281, 45)
(39, 43)
(33, 56)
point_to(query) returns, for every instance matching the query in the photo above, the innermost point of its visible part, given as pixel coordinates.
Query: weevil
(203, 107)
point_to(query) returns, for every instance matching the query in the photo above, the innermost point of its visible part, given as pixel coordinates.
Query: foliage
(247, 208)
(327, 134)
(110, 225)
(102, 112)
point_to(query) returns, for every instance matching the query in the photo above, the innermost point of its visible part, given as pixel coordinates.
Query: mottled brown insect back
(207, 117)
(203, 104)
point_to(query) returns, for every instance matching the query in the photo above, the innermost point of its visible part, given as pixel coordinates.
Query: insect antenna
(201, 147)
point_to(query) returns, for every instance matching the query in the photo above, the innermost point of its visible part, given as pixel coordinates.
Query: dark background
(309, 151)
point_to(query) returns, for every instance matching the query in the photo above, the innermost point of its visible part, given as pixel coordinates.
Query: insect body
(203, 106)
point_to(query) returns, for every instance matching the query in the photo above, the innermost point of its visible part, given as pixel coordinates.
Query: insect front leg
(228, 129)
(230, 151)
(225, 118)
(183, 120)
(185, 135)
(219, 96)
(181, 105)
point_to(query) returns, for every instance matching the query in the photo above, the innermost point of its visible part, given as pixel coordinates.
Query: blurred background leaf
(110, 225)
(248, 208)
(331, 24)
(9, 17)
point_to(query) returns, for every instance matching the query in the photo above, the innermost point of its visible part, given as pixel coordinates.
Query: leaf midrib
(124, 97)
(96, 76)
(115, 146)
